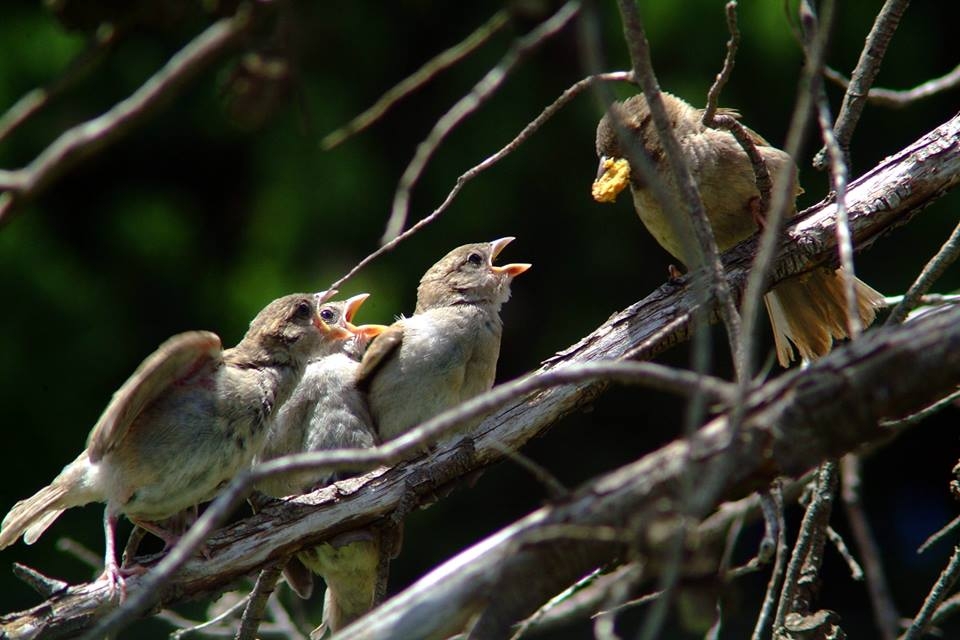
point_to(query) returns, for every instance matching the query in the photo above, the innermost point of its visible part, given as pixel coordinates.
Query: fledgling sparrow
(327, 411)
(189, 418)
(447, 351)
(808, 311)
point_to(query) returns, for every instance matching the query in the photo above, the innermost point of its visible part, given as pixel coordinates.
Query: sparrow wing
(174, 360)
(379, 353)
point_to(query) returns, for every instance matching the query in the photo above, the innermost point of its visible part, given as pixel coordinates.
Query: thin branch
(94, 135)
(188, 626)
(924, 413)
(807, 551)
(932, 271)
(948, 529)
(253, 613)
(938, 592)
(527, 132)
(947, 608)
(690, 198)
(782, 198)
(422, 76)
(881, 600)
(856, 571)
(897, 99)
(711, 119)
(838, 178)
(80, 67)
(481, 92)
(768, 608)
(713, 95)
(884, 26)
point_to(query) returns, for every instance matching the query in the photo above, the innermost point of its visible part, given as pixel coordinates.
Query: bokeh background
(225, 200)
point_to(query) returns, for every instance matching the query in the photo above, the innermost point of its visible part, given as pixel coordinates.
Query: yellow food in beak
(614, 178)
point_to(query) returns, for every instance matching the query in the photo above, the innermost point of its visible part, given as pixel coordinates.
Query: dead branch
(789, 426)
(882, 199)
(94, 135)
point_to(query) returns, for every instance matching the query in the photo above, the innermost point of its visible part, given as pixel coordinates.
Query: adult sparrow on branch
(808, 311)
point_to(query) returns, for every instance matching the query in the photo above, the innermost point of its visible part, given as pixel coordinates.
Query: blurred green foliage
(225, 200)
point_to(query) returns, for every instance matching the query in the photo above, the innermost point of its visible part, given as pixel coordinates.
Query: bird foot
(673, 273)
(757, 212)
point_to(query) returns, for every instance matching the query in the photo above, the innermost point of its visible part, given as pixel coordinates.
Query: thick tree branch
(885, 197)
(789, 426)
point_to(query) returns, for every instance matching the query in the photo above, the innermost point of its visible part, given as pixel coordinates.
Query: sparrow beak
(499, 245)
(613, 176)
(511, 270)
(370, 331)
(354, 304)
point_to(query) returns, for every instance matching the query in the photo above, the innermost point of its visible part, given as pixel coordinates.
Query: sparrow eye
(475, 259)
(303, 311)
(328, 315)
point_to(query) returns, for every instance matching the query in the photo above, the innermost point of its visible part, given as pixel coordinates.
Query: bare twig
(188, 626)
(690, 198)
(856, 571)
(481, 92)
(89, 137)
(257, 602)
(527, 132)
(884, 26)
(711, 119)
(937, 593)
(838, 178)
(923, 414)
(881, 600)
(932, 271)
(782, 198)
(768, 608)
(947, 608)
(713, 95)
(44, 585)
(35, 100)
(808, 550)
(947, 530)
(897, 99)
(423, 75)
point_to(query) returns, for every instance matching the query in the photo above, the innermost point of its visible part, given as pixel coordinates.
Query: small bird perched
(447, 351)
(189, 418)
(810, 310)
(327, 411)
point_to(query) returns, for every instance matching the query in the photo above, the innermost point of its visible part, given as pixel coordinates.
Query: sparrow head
(291, 327)
(467, 275)
(626, 125)
(628, 129)
(338, 316)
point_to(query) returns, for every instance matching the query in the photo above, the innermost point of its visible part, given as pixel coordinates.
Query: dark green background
(201, 216)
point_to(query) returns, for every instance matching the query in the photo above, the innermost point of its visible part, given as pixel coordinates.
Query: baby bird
(447, 351)
(808, 311)
(327, 411)
(189, 418)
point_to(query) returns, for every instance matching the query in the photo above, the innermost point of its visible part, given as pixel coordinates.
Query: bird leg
(757, 212)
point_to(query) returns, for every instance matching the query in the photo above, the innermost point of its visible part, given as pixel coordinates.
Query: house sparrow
(446, 352)
(327, 411)
(809, 310)
(189, 418)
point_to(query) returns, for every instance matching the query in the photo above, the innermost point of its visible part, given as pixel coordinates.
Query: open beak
(369, 331)
(511, 270)
(354, 304)
(366, 331)
(613, 176)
